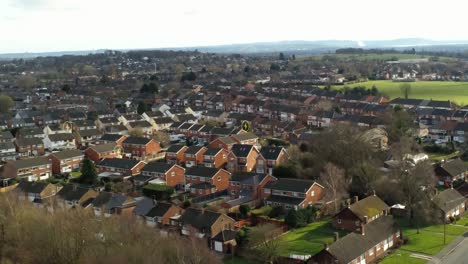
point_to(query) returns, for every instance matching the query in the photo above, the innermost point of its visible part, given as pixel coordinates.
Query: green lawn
(439, 157)
(400, 256)
(75, 174)
(463, 221)
(236, 260)
(436, 90)
(308, 240)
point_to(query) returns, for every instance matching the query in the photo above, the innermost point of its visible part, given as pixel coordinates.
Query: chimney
(356, 199)
(326, 246)
(363, 229)
(348, 201)
(373, 192)
(366, 219)
(337, 236)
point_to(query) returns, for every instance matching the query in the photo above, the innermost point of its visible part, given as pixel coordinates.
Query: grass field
(436, 90)
(308, 240)
(400, 256)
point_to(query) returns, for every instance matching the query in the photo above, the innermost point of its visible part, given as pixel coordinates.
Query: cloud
(30, 4)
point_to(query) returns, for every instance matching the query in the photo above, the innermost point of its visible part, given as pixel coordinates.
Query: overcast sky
(62, 25)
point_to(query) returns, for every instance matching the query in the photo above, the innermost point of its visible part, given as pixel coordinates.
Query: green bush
(158, 191)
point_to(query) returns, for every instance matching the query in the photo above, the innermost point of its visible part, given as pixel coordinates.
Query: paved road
(457, 252)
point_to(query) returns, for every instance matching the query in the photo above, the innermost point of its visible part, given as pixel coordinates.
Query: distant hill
(296, 46)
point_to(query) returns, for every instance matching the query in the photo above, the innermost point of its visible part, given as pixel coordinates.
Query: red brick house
(204, 223)
(292, 193)
(242, 158)
(124, 167)
(223, 142)
(27, 147)
(451, 203)
(169, 174)
(270, 157)
(66, 161)
(365, 246)
(215, 157)
(141, 148)
(32, 169)
(161, 214)
(98, 152)
(203, 180)
(175, 154)
(251, 184)
(194, 156)
(360, 212)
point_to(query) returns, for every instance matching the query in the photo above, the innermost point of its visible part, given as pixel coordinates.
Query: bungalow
(27, 147)
(203, 180)
(450, 171)
(450, 202)
(175, 154)
(98, 152)
(32, 169)
(124, 167)
(107, 204)
(271, 157)
(59, 141)
(360, 212)
(66, 161)
(365, 246)
(194, 156)
(292, 193)
(36, 192)
(73, 195)
(215, 157)
(242, 158)
(168, 174)
(204, 223)
(141, 148)
(161, 214)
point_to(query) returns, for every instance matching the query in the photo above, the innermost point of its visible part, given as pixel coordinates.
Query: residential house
(451, 170)
(271, 157)
(167, 174)
(194, 156)
(245, 138)
(98, 152)
(175, 154)
(59, 141)
(204, 223)
(7, 151)
(292, 193)
(450, 202)
(242, 158)
(72, 195)
(215, 157)
(224, 242)
(28, 147)
(66, 161)
(112, 138)
(223, 142)
(141, 148)
(161, 214)
(366, 246)
(32, 169)
(107, 204)
(204, 180)
(251, 184)
(37, 192)
(360, 212)
(87, 137)
(124, 167)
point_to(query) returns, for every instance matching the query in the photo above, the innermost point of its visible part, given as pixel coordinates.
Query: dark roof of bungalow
(293, 185)
(448, 199)
(369, 206)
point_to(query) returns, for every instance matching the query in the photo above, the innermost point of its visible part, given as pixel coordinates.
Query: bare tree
(334, 181)
(263, 243)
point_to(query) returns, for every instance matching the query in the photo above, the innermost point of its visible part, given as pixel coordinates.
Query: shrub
(158, 191)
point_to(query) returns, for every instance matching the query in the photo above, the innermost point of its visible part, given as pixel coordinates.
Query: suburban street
(455, 253)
